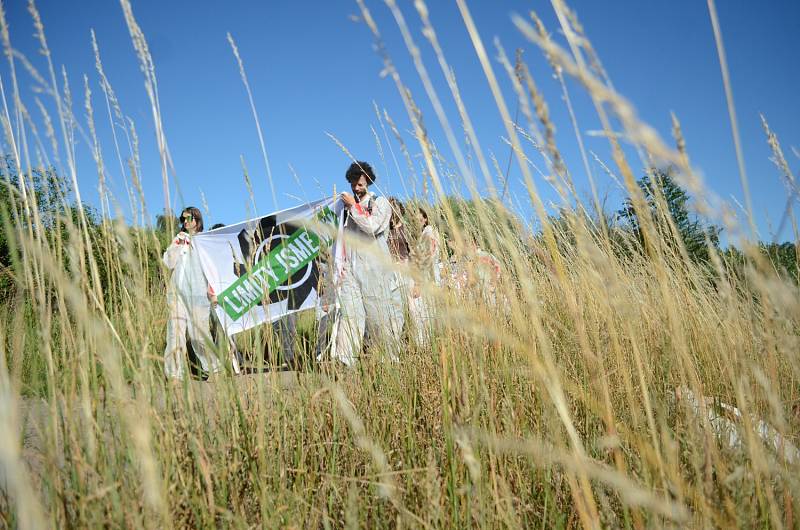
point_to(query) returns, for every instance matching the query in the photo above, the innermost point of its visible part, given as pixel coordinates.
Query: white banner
(266, 268)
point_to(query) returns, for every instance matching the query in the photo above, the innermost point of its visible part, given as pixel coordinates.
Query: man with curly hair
(369, 291)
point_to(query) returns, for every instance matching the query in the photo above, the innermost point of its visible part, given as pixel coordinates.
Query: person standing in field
(399, 247)
(189, 301)
(427, 258)
(369, 292)
(475, 272)
(428, 251)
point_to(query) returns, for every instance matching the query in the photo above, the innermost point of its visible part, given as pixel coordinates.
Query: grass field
(590, 396)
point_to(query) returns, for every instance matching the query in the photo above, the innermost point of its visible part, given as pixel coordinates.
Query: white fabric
(189, 310)
(221, 255)
(188, 280)
(430, 237)
(421, 308)
(369, 294)
(487, 270)
(477, 273)
(728, 423)
(193, 320)
(329, 308)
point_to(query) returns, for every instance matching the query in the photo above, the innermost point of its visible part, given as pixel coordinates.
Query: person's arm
(377, 221)
(175, 250)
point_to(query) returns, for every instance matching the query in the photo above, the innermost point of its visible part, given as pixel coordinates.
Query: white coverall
(426, 256)
(189, 309)
(369, 293)
(477, 274)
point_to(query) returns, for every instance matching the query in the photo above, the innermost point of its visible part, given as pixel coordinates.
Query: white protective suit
(478, 273)
(189, 310)
(369, 292)
(421, 309)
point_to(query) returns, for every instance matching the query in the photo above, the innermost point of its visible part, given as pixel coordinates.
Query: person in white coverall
(426, 256)
(189, 301)
(369, 291)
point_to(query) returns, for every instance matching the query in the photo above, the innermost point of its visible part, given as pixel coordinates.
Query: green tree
(783, 257)
(695, 233)
(49, 200)
(167, 222)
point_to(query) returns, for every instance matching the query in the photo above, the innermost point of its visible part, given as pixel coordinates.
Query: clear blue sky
(313, 70)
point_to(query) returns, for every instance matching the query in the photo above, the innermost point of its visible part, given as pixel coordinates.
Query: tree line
(673, 221)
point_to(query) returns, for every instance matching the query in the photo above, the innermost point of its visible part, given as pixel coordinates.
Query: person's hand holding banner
(348, 199)
(183, 239)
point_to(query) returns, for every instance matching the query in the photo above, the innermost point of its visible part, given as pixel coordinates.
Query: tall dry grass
(566, 404)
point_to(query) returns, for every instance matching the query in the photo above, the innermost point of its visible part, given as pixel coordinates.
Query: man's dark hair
(195, 213)
(218, 225)
(359, 168)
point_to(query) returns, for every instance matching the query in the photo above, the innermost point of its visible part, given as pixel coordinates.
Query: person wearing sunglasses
(189, 300)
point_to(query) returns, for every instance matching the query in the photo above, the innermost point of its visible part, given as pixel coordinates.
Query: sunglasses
(187, 219)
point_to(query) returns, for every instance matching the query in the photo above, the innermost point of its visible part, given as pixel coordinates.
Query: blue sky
(313, 70)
